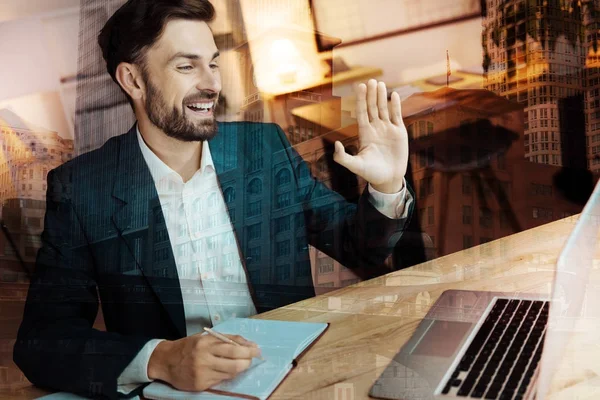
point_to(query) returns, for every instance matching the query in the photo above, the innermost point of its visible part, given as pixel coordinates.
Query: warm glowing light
(282, 45)
(286, 61)
(284, 48)
(593, 59)
(285, 65)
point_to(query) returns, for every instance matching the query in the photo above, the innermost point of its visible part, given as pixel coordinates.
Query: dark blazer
(105, 242)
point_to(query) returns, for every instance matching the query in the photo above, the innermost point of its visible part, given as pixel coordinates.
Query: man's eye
(214, 66)
(185, 67)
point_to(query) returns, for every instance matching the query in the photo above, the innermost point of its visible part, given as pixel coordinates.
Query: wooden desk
(370, 321)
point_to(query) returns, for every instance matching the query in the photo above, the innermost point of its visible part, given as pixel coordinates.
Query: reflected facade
(538, 54)
(518, 152)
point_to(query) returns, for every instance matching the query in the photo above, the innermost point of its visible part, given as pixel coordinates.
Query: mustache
(200, 96)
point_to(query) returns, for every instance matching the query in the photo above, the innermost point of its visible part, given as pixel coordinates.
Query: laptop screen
(575, 307)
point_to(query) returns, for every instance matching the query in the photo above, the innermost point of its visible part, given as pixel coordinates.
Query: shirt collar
(158, 169)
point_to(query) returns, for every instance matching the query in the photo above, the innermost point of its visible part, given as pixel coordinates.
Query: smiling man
(143, 227)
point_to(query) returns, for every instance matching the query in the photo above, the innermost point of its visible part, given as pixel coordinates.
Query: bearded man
(151, 225)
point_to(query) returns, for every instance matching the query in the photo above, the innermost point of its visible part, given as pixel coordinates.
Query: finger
(396, 109)
(233, 352)
(229, 366)
(372, 99)
(242, 340)
(361, 105)
(382, 103)
(352, 163)
(203, 338)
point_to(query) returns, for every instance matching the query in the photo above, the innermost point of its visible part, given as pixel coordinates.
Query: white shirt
(203, 242)
(206, 251)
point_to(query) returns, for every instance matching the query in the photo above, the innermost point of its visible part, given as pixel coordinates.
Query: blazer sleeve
(56, 346)
(355, 234)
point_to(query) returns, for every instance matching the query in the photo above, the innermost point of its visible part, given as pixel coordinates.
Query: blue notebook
(281, 344)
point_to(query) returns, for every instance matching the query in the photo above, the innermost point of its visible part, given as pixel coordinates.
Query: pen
(224, 338)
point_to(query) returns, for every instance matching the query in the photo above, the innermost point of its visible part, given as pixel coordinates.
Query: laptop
(492, 345)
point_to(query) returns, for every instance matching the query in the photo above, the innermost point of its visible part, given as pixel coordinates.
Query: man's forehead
(185, 37)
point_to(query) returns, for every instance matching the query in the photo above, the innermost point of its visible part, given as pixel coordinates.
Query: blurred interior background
(501, 99)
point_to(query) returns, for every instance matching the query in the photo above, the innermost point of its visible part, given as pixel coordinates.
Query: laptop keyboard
(501, 360)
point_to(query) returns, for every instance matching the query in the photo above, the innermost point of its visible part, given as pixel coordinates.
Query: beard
(174, 122)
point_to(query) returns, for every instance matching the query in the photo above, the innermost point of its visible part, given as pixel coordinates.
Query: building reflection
(472, 180)
(27, 153)
(470, 173)
(538, 54)
(485, 163)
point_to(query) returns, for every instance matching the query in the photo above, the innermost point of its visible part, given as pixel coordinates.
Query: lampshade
(286, 60)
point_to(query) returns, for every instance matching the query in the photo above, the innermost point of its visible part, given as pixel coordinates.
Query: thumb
(340, 156)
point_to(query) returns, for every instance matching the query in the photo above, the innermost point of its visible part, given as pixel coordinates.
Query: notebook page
(280, 342)
(277, 339)
(162, 391)
(307, 342)
(259, 381)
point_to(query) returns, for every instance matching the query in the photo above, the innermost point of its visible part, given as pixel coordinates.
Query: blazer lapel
(138, 216)
(227, 149)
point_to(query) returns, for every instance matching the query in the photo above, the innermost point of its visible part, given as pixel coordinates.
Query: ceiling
(17, 9)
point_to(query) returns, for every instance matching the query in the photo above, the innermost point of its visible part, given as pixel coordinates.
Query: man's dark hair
(138, 24)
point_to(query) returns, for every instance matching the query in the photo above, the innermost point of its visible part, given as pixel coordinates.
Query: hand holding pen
(226, 339)
(198, 362)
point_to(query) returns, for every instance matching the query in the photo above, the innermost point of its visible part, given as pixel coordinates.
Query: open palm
(383, 153)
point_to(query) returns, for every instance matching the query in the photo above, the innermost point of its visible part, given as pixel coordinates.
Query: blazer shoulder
(270, 131)
(100, 159)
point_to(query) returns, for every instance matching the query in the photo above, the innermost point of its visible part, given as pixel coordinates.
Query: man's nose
(208, 80)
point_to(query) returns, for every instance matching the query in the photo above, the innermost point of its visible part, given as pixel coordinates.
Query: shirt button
(217, 317)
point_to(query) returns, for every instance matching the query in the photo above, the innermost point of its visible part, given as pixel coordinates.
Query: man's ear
(130, 78)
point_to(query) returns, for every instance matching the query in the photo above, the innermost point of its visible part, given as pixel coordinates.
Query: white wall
(26, 65)
(61, 33)
(37, 51)
(17, 9)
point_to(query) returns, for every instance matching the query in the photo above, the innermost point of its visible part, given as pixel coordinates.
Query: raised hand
(383, 154)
